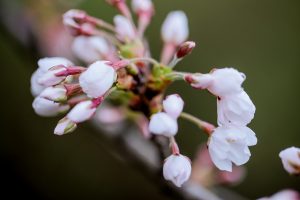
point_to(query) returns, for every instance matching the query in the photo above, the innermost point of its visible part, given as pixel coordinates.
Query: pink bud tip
(185, 49)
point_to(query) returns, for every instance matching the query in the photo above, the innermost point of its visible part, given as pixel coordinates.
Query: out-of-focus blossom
(91, 48)
(286, 194)
(124, 28)
(97, 79)
(229, 144)
(290, 158)
(175, 28)
(177, 168)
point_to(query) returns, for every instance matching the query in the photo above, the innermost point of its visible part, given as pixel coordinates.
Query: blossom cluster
(119, 69)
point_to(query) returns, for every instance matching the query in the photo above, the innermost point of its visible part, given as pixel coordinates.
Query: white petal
(49, 78)
(81, 112)
(54, 93)
(226, 81)
(175, 28)
(202, 81)
(229, 144)
(236, 109)
(47, 108)
(35, 87)
(46, 63)
(173, 105)
(97, 79)
(162, 124)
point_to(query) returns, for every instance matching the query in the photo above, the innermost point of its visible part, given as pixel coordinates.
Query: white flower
(175, 28)
(235, 109)
(35, 87)
(173, 105)
(124, 28)
(177, 168)
(220, 82)
(290, 158)
(90, 49)
(97, 79)
(83, 111)
(139, 6)
(46, 63)
(64, 126)
(54, 94)
(48, 108)
(163, 124)
(50, 78)
(286, 194)
(229, 144)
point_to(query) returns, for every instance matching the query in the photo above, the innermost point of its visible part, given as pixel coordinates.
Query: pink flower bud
(175, 28)
(83, 111)
(173, 105)
(163, 124)
(56, 94)
(97, 79)
(290, 158)
(177, 168)
(48, 108)
(124, 28)
(64, 126)
(185, 49)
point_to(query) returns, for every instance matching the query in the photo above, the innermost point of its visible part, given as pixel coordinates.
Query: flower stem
(144, 59)
(207, 127)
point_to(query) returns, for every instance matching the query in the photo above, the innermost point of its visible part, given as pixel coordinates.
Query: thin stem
(207, 127)
(144, 59)
(175, 75)
(174, 146)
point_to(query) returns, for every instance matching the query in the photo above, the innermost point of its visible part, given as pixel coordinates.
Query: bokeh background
(259, 37)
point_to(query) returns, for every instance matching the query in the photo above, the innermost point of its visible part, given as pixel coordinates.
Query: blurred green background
(259, 37)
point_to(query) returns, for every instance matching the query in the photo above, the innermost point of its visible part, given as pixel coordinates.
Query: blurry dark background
(259, 37)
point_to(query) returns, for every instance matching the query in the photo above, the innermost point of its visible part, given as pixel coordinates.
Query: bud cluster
(120, 70)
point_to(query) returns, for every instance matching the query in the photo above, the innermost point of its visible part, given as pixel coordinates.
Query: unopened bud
(47, 108)
(173, 105)
(185, 49)
(177, 168)
(57, 94)
(64, 126)
(83, 111)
